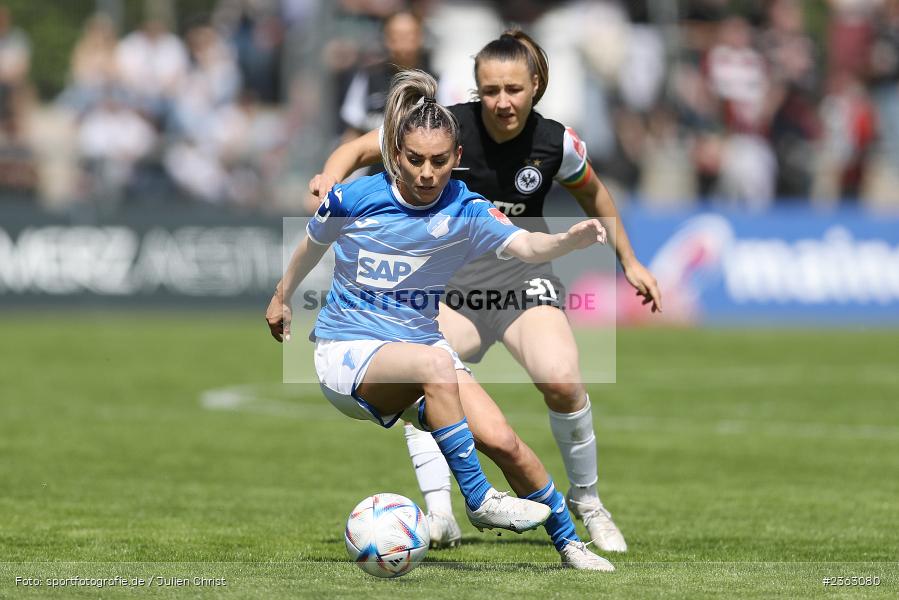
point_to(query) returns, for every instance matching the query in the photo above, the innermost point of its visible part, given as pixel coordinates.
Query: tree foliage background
(53, 27)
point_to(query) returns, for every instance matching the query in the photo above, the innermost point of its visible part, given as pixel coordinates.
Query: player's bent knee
(438, 367)
(563, 395)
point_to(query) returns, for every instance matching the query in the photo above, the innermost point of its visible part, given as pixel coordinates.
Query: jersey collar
(399, 198)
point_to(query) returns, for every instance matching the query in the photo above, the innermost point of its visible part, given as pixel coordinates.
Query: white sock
(431, 470)
(577, 443)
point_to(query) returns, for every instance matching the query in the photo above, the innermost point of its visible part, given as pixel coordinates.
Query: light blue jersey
(393, 259)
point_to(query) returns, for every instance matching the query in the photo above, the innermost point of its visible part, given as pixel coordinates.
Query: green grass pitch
(738, 463)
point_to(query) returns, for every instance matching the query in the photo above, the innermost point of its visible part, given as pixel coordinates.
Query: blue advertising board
(788, 265)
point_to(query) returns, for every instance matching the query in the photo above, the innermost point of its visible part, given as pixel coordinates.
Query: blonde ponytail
(411, 104)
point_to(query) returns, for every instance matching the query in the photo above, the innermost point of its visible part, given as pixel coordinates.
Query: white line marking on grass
(276, 400)
(289, 401)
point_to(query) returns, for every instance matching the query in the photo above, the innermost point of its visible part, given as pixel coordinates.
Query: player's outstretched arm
(278, 315)
(597, 202)
(363, 151)
(537, 247)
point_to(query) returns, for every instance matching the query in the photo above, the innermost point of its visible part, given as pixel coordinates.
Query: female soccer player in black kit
(512, 154)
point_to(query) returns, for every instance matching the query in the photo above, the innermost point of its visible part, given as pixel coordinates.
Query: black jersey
(365, 99)
(515, 176)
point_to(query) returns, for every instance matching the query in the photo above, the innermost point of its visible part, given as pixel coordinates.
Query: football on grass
(387, 535)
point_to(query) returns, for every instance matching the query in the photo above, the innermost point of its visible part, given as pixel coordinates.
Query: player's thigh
(459, 331)
(541, 340)
(397, 372)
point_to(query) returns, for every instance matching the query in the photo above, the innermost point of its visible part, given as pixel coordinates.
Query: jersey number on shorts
(543, 289)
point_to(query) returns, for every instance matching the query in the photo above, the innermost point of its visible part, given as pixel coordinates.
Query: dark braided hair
(514, 45)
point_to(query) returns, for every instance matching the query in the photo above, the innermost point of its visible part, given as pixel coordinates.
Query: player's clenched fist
(321, 184)
(278, 316)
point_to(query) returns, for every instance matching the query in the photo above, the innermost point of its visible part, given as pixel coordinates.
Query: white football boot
(575, 555)
(598, 521)
(444, 530)
(502, 511)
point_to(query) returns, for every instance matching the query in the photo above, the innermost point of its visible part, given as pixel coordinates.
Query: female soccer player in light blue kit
(512, 155)
(399, 236)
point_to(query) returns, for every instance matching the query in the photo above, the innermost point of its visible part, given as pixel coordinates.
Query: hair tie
(429, 100)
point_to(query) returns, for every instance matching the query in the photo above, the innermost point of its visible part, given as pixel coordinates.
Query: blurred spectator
(627, 52)
(790, 54)
(624, 163)
(152, 63)
(642, 70)
(93, 65)
(356, 40)
(459, 29)
(748, 170)
(15, 64)
(112, 139)
(884, 70)
(239, 159)
(850, 34)
(667, 176)
(788, 46)
(257, 33)
(849, 121)
(18, 171)
(212, 80)
(363, 106)
(691, 92)
(738, 75)
(197, 170)
(605, 33)
(697, 110)
(847, 112)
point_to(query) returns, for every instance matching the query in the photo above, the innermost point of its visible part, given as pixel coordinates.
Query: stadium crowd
(737, 103)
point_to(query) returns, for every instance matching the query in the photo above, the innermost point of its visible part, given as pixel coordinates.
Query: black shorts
(493, 308)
